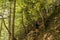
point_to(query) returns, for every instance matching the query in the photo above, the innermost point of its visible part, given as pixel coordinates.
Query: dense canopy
(29, 19)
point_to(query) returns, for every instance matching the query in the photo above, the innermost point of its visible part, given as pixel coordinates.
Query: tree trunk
(9, 21)
(13, 21)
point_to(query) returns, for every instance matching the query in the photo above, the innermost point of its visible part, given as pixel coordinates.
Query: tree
(13, 21)
(9, 21)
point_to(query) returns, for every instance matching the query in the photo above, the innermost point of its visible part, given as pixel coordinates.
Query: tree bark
(9, 21)
(13, 21)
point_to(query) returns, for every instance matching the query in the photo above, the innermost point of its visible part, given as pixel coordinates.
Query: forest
(29, 19)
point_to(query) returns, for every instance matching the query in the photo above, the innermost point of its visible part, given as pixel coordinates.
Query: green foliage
(28, 12)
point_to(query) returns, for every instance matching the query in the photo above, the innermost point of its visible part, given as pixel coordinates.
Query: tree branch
(6, 26)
